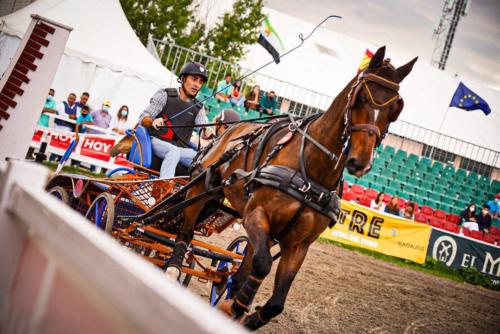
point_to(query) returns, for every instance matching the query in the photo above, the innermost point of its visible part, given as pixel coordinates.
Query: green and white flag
(270, 40)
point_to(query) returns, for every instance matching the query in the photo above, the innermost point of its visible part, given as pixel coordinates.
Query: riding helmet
(194, 68)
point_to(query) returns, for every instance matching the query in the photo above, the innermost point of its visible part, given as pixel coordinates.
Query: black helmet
(194, 68)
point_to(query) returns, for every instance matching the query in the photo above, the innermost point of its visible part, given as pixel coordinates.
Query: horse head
(373, 103)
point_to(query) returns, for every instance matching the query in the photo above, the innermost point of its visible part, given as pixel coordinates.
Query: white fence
(60, 274)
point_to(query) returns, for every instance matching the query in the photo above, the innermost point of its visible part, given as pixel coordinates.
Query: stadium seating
(492, 239)
(451, 227)
(476, 235)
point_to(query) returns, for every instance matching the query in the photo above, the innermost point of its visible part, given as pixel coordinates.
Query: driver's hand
(158, 123)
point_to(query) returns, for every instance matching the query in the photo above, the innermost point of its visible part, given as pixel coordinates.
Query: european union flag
(466, 99)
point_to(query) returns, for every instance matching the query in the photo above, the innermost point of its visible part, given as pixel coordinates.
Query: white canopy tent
(103, 55)
(329, 60)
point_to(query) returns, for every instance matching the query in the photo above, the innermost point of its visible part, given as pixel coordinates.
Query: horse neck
(328, 130)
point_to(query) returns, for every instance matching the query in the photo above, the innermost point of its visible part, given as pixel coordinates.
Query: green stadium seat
(378, 187)
(422, 193)
(452, 193)
(349, 178)
(437, 167)
(364, 182)
(387, 173)
(438, 188)
(414, 182)
(427, 185)
(433, 204)
(396, 184)
(495, 187)
(383, 180)
(389, 150)
(401, 155)
(205, 90)
(447, 200)
(461, 174)
(435, 196)
(405, 169)
(412, 158)
(449, 168)
(466, 197)
(402, 177)
(425, 162)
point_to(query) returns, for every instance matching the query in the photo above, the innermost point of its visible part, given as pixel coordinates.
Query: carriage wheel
(60, 193)
(221, 291)
(102, 212)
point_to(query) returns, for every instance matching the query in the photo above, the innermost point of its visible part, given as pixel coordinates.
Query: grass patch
(431, 266)
(73, 170)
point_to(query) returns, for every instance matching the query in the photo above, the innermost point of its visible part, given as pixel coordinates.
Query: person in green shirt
(224, 89)
(268, 103)
(48, 107)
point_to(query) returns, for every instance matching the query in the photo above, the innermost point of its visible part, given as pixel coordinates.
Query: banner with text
(92, 149)
(460, 252)
(387, 234)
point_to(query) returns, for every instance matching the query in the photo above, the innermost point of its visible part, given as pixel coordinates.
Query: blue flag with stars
(466, 99)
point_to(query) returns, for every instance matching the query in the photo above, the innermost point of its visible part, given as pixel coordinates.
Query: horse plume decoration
(282, 179)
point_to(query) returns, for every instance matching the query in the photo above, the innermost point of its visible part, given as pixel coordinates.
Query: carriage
(127, 201)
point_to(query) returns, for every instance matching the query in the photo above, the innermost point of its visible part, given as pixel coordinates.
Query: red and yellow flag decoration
(365, 61)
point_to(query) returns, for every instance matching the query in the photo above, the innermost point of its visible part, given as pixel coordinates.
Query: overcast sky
(406, 26)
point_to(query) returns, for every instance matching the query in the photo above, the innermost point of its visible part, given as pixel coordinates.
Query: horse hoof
(173, 273)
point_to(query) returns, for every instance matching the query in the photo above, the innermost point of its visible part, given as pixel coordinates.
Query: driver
(172, 106)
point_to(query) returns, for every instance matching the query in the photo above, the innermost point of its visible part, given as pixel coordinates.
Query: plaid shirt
(159, 101)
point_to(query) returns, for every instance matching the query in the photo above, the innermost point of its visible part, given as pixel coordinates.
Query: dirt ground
(343, 291)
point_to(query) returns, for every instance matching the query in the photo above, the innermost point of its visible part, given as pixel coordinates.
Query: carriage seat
(144, 149)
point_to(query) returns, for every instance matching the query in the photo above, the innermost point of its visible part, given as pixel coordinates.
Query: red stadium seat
(346, 186)
(451, 227)
(436, 222)
(421, 218)
(349, 196)
(476, 235)
(452, 218)
(357, 189)
(466, 231)
(427, 210)
(365, 200)
(401, 203)
(440, 214)
(495, 231)
(387, 198)
(372, 193)
(490, 238)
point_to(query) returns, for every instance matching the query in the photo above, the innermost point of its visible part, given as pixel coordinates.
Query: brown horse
(343, 136)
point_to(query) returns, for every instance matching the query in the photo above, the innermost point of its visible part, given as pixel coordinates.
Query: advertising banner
(387, 234)
(92, 149)
(460, 252)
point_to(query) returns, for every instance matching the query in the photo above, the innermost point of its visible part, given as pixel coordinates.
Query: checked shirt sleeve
(156, 105)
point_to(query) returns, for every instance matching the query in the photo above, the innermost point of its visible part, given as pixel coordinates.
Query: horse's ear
(377, 58)
(404, 70)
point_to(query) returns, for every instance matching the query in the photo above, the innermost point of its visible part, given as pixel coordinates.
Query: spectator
(102, 118)
(172, 144)
(224, 89)
(484, 219)
(68, 109)
(120, 123)
(495, 208)
(252, 99)
(469, 214)
(393, 208)
(268, 103)
(82, 121)
(378, 203)
(236, 98)
(50, 106)
(84, 98)
(409, 212)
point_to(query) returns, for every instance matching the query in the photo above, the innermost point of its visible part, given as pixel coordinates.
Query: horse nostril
(351, 162)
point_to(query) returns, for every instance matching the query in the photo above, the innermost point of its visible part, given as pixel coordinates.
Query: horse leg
(186, 233)
(257, 227)
(289, 265)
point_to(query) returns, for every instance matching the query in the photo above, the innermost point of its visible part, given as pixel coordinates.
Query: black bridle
(356, 88)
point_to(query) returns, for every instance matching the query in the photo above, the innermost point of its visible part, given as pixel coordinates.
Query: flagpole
(439, 131)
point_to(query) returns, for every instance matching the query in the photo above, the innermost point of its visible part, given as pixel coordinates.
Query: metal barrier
(61, 274)
(305, 102)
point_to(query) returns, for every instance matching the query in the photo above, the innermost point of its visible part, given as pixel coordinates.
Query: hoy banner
(362, 227)
(461, 252)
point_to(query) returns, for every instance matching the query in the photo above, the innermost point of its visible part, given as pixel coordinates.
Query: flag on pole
(365, 61)
(466, 99)
(270, 40)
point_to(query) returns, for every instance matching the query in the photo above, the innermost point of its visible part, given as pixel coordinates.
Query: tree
(174, 21)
